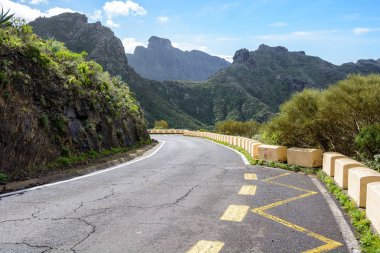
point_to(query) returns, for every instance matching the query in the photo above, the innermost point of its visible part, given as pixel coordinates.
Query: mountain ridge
(161, 61)
(251, 88)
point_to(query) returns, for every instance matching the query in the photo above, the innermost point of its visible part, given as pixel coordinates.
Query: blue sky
(336, 30)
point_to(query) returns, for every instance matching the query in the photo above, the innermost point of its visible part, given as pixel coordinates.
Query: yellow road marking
(206, 247)
(235, 213)
(329, 244)
(250, 176)
(247, 190)
(271, 178)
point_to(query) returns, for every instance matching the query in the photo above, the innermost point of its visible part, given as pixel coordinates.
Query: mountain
(54, 103)
(161, 61)
(105, 48)
(251, 88)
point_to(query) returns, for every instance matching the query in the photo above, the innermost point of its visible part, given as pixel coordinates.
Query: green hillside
(54, 103)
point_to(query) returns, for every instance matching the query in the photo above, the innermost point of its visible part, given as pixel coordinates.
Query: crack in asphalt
(93, 230)
(48, 248)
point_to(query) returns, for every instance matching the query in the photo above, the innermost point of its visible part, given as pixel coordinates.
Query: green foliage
(329, 119)
(3, 177)
(368, 141)
(44, 122)
(5, 19)
(369, 241)
(233, 127)
(161, 124)
(4, 81)
(66, 152)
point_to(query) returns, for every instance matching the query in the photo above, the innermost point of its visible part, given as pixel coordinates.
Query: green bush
(161, 124)
(233, 127)
(368, 141)
(3, 178)
(330, 119)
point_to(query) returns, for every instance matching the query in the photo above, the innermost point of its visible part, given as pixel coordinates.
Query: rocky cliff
(54, 103)
(161, 61)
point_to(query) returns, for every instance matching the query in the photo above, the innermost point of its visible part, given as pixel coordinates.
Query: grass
(3, 178)
(72, 160)
(369, 241)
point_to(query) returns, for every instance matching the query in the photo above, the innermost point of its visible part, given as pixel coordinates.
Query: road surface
(190, 195)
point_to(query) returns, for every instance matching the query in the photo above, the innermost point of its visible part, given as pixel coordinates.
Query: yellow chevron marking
(329, 244)
(206, 247)
(247, 190)
(250, 176)
(235, 213)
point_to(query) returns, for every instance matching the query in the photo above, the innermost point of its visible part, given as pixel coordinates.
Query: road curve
(191, 195)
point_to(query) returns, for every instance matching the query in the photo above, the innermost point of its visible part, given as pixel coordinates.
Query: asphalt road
(192, 195)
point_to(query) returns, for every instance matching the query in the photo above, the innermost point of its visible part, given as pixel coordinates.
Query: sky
(338, 31)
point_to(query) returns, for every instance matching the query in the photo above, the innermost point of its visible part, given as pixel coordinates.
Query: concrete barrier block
(234, 140)
(373, 204)
(255, 149)
(358, 179)
(342, 166)
(306, 157)
(272, 153)
(329, 162)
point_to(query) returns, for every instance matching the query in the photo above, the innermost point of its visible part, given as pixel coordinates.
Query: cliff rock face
(161, 61)
(53, 103)
(78, 35)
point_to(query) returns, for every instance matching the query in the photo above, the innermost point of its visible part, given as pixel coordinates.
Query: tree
(161, 124)
(5, 19)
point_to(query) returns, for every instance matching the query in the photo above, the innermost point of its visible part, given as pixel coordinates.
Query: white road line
(344, 227)
(85, 176)
(246, 162)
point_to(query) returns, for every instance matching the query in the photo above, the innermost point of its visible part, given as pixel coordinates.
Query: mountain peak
(278, 49)
(243, 56)
(157, 42)
(69, 17)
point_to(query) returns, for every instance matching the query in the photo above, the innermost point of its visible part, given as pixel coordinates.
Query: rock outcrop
(161, 61)
(54, 103)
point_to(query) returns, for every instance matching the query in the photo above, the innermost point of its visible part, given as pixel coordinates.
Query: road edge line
(85, 176)
(347, 233)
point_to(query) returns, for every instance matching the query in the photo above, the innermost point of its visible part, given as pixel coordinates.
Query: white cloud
(163, 19)
(278, 24)
(112, 24)
(55, 11)
(120, 8)
(130, 44)
(364, 30)
(228, 58)
(25, 12)
(96, 15)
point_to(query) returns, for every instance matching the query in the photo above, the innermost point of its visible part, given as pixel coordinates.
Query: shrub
(367, 141)
(161, 124)
(233, 127)
(330, 119)
(44, 122)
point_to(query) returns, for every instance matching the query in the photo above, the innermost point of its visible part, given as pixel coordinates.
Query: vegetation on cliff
(54, 103)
